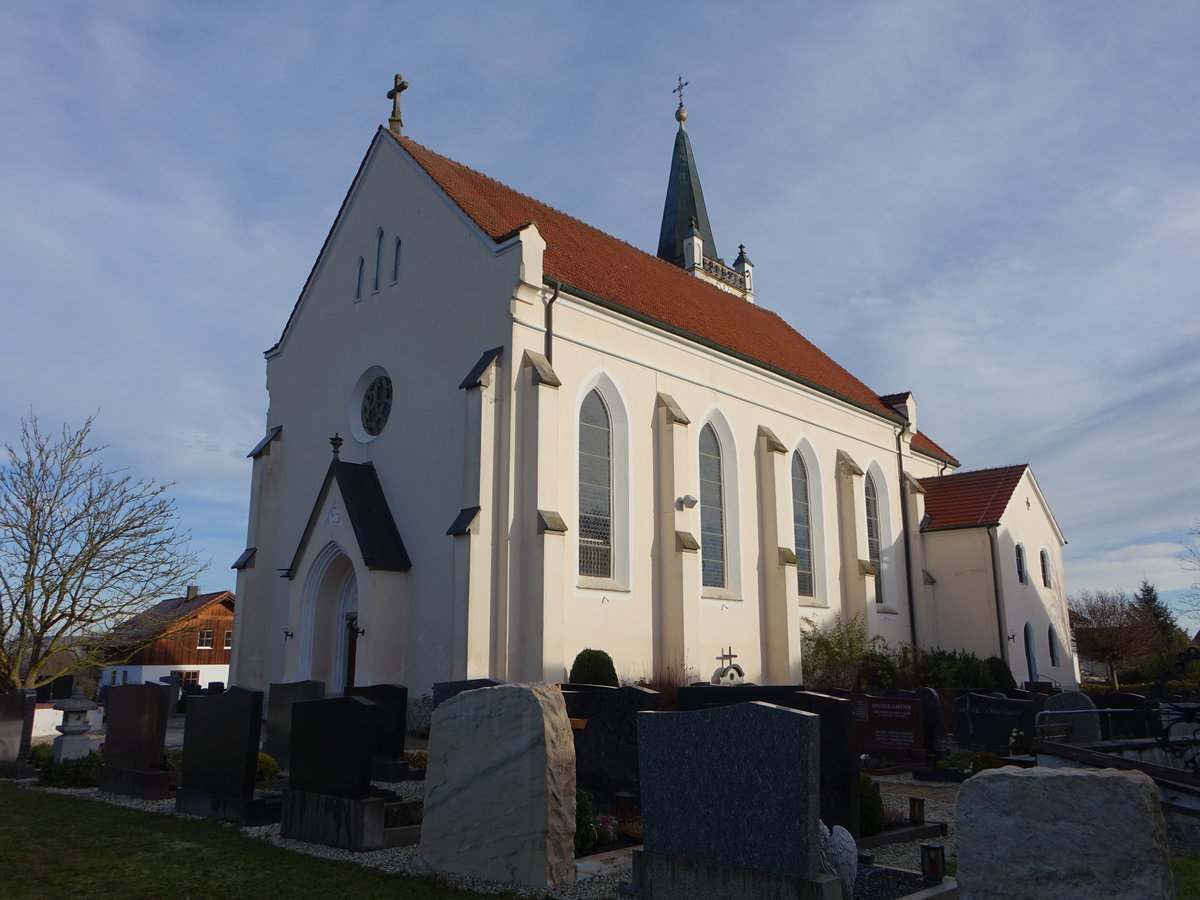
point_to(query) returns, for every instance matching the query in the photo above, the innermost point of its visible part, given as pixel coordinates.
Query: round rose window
(376, 405)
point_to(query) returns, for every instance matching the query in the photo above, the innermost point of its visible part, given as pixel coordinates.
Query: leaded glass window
(712, 510)
(377, 405)
(874, 547)
(595, 488)
(803, 526)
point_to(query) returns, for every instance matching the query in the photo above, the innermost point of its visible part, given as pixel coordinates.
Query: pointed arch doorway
(330, 615)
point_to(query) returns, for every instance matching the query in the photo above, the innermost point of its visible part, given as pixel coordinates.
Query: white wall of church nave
(641, 363)
(959, 611)
(449, 304)
(1026, 522)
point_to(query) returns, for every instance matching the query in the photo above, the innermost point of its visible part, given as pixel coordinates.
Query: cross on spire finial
(679, 90)
(394, 123)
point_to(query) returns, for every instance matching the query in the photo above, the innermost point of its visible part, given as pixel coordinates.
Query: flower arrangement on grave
(1018, 743)
(417, 760)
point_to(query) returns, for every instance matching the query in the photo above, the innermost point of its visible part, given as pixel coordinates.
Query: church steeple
(685, 198)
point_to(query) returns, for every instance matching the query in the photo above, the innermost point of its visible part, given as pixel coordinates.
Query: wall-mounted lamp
(352, 624)
(287, 633)
(687, 501)
(1012, 637)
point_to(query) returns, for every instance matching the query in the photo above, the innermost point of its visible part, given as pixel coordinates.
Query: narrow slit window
(396, 261)
(712, 510)
(378, 258)
(595, 488)
(1046, 580)
(358, 281)
(1021, 576)
(802, 524)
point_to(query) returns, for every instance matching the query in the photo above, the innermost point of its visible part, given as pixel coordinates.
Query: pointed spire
(685, 199)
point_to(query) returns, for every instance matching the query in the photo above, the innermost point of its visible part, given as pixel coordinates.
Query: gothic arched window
(1046, 569)
(1052, 639)
(802, 522)
(1021, 575)
(712, 510)
(874, 545)
(378, 258)
(358, 281)
(396, 261)
(595, 488)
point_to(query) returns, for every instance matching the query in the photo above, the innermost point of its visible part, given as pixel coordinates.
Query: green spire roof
(685, 201)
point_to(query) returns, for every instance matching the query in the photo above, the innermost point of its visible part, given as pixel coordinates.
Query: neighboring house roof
(969, 499)
(162, 616)
(610, 272)
(370, 516)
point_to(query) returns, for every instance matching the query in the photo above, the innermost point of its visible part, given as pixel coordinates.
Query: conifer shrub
(266, 769)
(593, 667)
(1002, 677)
(871, 816)
(81, 772)
(40, 755)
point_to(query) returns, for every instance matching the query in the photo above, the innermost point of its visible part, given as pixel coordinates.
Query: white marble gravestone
(500, 786)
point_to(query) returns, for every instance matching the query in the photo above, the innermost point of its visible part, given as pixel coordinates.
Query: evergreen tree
(1147, 598)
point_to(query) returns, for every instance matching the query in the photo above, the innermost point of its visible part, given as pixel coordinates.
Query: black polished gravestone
(391, 703)
(17, 709)
(890, 727)
(606, 748)
(220, 757)
(839, 757)
(729, 799)
(1130, 716)
(280, 697)
(332, 744)
(930, 711)
(987, 723)
(710, 696)
(444, 690)
(328, 798)
(134, 741)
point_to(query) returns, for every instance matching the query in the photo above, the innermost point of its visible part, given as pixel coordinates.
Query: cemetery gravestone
(1131, 716)
(391, 711)
(500, 786)
(606, 748)
(708, 696)
(280, 698)
(839, 768)
(220, 757)
(891, 727)
(1084, 721)
(444, 690)
(986, 723)
(1071, 834)
(133, 744)
(17, 709)
(729, 805)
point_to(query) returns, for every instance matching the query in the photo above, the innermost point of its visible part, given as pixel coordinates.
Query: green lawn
(1187, 876)
(61, 846)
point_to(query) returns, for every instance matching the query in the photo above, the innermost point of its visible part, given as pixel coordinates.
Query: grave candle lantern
(933, 862)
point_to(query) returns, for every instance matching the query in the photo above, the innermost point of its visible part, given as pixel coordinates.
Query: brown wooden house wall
(180, 648)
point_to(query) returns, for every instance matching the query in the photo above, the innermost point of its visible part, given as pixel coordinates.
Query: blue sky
(995, 205)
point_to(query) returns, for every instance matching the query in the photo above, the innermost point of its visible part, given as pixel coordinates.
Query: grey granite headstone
(332, 745)
(736, 786)
(1084, 721)
(391, 702)
(986, 723)
(280, 697)
(444, 690)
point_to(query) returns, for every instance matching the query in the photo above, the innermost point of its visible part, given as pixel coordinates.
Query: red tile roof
(162, 615)
(647, 287)
(969, 499)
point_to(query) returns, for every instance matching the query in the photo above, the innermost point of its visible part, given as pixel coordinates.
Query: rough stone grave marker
(500, 786)
(1071, 834)
(444, 690)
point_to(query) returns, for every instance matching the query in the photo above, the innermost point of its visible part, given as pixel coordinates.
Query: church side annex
(497, 436)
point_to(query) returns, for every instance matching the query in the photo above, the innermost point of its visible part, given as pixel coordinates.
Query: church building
(497, 436)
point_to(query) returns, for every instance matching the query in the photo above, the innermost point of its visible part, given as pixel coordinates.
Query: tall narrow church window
(358, 280)
(1052, 639)
(1046, 569)
(595, 488)
(1021, 576)
(396, 261)
(802, 525)
(378, 258)
(874, 547)
(712, 510)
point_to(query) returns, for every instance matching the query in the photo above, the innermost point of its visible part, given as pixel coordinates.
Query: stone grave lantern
(73, 741)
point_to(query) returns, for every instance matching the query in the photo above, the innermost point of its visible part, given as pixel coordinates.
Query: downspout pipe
(1000, 627)
(549, 346)
(908, 575)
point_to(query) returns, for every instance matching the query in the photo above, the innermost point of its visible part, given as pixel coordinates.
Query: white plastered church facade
(547, 439)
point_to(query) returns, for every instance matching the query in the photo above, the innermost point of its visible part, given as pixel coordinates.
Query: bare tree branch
(82, 549)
